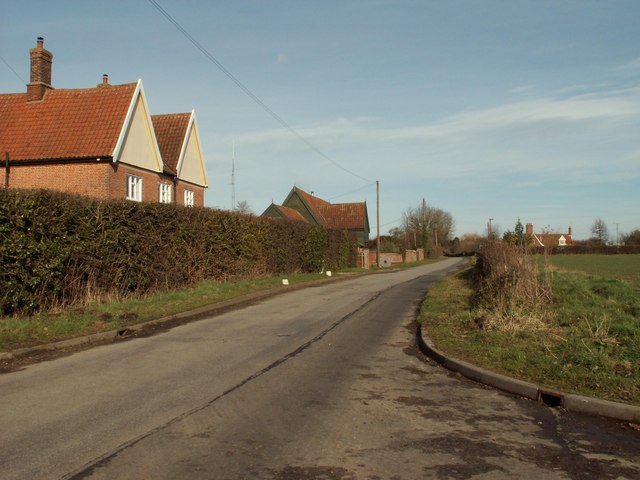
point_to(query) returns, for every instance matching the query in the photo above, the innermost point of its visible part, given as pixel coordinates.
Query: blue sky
(487, 109)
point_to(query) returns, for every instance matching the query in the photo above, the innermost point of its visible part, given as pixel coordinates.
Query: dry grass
(585, 338)
(510, 292)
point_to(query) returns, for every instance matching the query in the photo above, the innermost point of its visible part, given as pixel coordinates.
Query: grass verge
(589, 342)
(20, 332)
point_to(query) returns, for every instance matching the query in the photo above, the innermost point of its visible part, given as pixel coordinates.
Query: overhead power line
(248, 92)
(14, 72)
(349, 193)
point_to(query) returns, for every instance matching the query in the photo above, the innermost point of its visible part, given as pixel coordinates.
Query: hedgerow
(58, 250)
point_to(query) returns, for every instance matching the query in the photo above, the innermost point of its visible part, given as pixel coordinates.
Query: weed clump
(510, 293)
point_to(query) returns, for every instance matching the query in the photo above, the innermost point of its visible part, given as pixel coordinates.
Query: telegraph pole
(378, 223)
(424, 228)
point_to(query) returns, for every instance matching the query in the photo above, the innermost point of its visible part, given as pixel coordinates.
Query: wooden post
(6, 171)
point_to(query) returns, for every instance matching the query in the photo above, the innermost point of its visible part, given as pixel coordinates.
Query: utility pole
(490, 219)
(424, 226)
(378, 222)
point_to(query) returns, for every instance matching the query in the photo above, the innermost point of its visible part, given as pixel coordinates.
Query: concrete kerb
(570, 402)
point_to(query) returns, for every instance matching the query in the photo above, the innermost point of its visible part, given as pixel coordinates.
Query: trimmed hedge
(58, 250)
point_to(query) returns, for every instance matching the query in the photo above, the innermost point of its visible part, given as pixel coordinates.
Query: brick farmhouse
(98, 142)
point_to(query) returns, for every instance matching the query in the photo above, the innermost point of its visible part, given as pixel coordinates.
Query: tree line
(600, 235)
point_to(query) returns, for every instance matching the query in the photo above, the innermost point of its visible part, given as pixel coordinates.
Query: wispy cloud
(574, 110)
(599, 111)
(632, 65)
(522, 89)
(532, 141)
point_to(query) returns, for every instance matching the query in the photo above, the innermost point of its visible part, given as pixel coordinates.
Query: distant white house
(549, 239)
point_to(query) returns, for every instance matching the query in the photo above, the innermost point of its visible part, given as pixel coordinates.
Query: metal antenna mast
(233, 176)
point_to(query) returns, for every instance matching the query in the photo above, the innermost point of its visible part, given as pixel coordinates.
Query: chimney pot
(105, 79)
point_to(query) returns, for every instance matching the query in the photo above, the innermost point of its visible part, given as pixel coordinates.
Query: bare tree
(600, 231)
(469, 243)
(243, 207)
(425, 225)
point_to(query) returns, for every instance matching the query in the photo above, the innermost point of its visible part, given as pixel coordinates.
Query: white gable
(191, 163)
(137, 144)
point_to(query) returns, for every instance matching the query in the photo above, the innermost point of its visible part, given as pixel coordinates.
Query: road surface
(320, 383)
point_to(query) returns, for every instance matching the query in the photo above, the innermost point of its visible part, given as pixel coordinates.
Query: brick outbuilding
(302, 206)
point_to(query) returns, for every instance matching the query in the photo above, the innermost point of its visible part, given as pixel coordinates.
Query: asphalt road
(320, 383)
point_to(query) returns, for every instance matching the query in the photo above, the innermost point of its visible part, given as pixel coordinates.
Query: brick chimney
(105, 81)
(569, 231)
(41, 61)
(529, 229)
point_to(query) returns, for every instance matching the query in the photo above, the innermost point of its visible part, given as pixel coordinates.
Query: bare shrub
(510, 292)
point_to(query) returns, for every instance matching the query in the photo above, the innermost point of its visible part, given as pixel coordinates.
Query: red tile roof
(336, 216)
(65, 124)
(291, 213)
(551, 239)
(347, 215)
(316, 204)
(171, 130)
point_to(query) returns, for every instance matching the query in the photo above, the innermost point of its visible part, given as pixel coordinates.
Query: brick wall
(198, 194)
(88, 179)
(394, 257)
(102, 180)
(414, 255)
(150, 182)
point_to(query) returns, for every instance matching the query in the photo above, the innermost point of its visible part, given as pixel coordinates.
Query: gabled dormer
(179, 142)
(137, 145)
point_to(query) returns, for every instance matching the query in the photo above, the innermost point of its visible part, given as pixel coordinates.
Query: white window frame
(164, 193)
(189, 198)
(134, 188)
